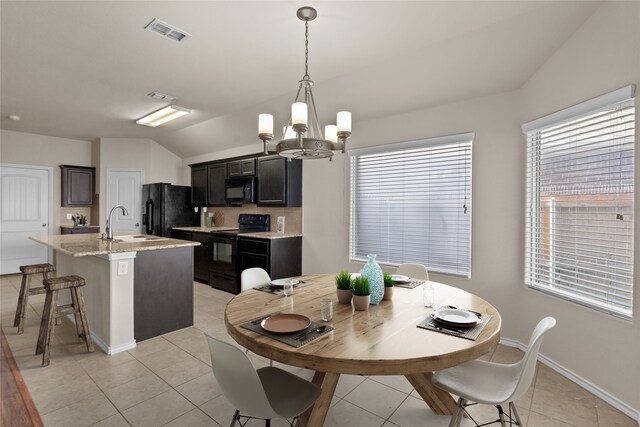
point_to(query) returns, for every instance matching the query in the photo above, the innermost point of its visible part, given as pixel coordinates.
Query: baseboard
(112, 350)
(103, 345)
(602, 394)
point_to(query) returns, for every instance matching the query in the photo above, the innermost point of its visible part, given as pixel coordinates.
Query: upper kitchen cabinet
(216, 176)
(78, 185)
(244, 167)
(199, 185)
(279, 182)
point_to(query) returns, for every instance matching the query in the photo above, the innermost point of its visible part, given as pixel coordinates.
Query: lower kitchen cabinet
(87, 229)
(279, 257)
(163, 292)
(201, 257)
(200, 253)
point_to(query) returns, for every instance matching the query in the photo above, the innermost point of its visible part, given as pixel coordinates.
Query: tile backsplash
(86, 211)
(229, 216)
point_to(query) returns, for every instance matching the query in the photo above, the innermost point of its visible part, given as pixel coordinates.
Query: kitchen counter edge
(78, 245)
(268, 235)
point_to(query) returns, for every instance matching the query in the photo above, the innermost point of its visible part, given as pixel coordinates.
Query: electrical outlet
(69, 216)
(123, 268)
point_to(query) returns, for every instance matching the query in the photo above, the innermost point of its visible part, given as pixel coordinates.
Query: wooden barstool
(26, 290)
(52, 311)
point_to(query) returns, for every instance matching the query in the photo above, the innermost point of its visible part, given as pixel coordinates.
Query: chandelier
(302, 137)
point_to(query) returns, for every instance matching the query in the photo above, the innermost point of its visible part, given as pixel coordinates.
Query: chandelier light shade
(302, 137)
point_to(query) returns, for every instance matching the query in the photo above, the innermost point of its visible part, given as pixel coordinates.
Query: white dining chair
(415, 271)
(266, 393)
(491, 383)
(253, 278)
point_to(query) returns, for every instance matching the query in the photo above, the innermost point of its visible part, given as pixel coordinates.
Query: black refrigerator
(166, 206)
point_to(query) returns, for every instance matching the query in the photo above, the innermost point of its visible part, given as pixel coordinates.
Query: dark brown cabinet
(78, 185)
(216, 175)
(79, 230)
(244, 167)
(279, 182)
(278, 257)
(200, 253)
(199, 186)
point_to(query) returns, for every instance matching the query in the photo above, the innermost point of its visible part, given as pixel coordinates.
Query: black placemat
(467, 333)
(412, 284)
(278, 291)
(296, 339)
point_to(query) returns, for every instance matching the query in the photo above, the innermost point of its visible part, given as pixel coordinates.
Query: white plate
(279, 283)
(455, 317)
(399, 278)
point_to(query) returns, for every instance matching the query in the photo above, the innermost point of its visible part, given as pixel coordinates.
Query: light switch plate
(123, 268)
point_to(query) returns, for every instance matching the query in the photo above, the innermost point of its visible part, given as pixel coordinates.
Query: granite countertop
(270, 235)
(79, 226)
(204, 229)
(91, 244)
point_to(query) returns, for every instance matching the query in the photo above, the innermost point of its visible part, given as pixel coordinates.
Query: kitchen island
(138, 287)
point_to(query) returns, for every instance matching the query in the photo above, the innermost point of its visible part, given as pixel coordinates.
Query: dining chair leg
(456, 418)
(503, 416)
(235, 418)
(512, 410)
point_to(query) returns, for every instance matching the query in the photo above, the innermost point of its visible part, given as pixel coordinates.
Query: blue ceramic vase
(373, 272)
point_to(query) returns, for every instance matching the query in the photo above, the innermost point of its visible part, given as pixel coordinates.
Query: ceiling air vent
(163, 29)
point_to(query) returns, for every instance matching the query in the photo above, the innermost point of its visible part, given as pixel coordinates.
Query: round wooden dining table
(383, 340)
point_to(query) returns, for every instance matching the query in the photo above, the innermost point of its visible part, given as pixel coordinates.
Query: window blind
(411, 203)
(580, 196)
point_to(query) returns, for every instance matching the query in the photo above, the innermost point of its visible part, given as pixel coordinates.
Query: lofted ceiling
(82, 70)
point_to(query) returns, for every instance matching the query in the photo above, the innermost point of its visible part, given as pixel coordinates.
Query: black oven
(224, 271)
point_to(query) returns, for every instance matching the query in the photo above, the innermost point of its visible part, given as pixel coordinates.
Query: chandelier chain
(306, 51)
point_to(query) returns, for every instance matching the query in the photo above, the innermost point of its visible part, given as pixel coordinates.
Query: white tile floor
(168, 381)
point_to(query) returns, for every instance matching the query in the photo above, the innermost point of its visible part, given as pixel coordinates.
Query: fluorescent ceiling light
(163, 115)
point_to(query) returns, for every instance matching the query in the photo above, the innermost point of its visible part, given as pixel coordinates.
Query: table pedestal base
(439, 401)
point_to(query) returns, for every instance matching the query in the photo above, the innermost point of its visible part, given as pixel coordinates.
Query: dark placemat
(467, 333)
(412, 284)
(296, 339)
(278, 291)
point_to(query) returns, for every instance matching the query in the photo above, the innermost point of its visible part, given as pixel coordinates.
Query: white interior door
(25, 210)
(124, 187)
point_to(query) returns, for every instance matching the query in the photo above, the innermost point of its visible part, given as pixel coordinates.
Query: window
(411, 203)
(580, 190)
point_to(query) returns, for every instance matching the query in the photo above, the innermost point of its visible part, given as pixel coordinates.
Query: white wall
(158, 163)
(40, 150)
(601, 56)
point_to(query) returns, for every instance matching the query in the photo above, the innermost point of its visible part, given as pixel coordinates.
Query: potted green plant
(388, 286)
(361, 293)
(343, 287)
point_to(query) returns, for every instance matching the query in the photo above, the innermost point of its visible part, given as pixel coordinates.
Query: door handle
(44, 225)
(137, 224)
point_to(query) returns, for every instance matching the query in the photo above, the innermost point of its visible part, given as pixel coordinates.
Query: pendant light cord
(306, 51)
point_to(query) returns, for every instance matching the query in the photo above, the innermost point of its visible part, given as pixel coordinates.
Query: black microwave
(240, 190)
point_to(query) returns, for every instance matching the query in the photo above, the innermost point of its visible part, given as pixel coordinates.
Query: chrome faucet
(109, 231)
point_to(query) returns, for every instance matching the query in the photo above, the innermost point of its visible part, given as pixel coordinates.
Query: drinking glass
(287, 289)
(428, 296)
(326, 309)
